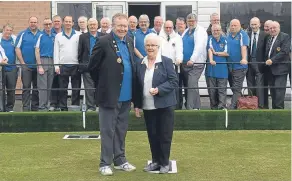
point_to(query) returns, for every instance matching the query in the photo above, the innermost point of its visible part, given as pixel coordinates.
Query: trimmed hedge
(184, 120)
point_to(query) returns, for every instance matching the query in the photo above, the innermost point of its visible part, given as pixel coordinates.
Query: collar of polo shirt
(118, 39)
(72, 33)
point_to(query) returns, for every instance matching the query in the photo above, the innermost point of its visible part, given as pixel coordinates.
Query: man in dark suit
(277, 58)
(112, 67)
(256, 53)
(85, 46)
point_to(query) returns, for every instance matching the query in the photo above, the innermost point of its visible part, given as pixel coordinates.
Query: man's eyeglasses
(48, 24)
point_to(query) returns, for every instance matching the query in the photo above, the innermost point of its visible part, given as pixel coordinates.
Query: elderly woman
(155, 94)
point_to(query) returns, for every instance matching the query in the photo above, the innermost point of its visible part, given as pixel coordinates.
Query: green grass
(200, 155)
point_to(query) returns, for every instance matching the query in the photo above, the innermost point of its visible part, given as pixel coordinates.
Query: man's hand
(4, 61)
(190, 63)
(57, 70)
(269, 62)
(178, 62)
(243, 62)
(137, 112)
(41, 70)
(212, 62)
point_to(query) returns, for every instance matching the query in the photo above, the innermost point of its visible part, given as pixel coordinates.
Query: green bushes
(184, 120)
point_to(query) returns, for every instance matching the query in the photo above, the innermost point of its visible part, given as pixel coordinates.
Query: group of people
(238, 54)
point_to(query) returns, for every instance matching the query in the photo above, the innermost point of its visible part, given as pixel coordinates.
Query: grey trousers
(89, 94)
(30, 101)
(45, 81)
(10, 83)
(193, 95)
(217, 96)
(237, 82)
(113, 123)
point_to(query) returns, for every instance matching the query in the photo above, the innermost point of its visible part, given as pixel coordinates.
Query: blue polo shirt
(54, 31)
(92, 40)
(234, 49)
(139, 40)
(126, 89)
(9, 48)
(219, 70)
(188, 45)
(26, 41)
(46, 44)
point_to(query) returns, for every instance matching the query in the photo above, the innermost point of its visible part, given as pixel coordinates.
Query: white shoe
(106, 170)
(126, 167)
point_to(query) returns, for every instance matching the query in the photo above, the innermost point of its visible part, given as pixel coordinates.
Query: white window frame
(183, 3)
(55, 5)
(121, 3)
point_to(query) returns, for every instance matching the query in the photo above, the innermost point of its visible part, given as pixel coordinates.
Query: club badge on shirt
(119, 60)
(278, 49)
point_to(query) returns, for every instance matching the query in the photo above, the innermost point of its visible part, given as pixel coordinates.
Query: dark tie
(254, 46)
(270, 43)
(82, 32)
(168, 37)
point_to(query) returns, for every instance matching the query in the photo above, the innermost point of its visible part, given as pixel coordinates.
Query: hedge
(184, 120)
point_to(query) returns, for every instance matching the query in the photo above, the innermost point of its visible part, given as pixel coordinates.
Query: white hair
(144, 16)
(82, 18)
(106, 19)
(92, 20)
(152, 36)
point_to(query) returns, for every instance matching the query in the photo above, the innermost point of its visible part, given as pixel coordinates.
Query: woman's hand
(137, 112)
(153, 91)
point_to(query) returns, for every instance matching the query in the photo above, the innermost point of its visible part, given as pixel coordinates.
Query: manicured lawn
(200, 155)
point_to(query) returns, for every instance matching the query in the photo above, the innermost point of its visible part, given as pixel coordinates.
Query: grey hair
(82, 18)
(107, 19)
(219, 26)
(92, 20)
(118, 15)
(8, 25)
(214, 14)
(144, 16)
(192, 16)
(154, 36)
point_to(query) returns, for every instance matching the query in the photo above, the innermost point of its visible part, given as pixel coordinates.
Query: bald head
(274, 28)
(255, 24)
(133, 22)
(158, 22)
(234, 26)
(267, 26)
(168, 27)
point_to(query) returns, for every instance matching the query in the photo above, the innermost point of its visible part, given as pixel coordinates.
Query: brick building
(17, 13)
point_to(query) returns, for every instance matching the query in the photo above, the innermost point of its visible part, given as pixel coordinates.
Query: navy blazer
(280, 53)
(164, 78)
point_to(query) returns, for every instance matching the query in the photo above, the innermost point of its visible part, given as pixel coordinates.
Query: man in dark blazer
(277, 58)
(256, 53)
(112, 67)
(85, 46)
